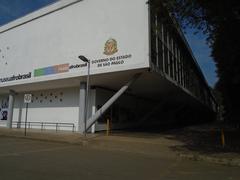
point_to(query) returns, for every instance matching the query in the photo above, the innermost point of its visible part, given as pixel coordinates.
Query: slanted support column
(82, 100)
(105, 107)
(10, 108)
(93, 128)
(94, 108)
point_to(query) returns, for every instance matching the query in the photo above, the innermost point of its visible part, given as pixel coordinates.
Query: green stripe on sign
(38, 72)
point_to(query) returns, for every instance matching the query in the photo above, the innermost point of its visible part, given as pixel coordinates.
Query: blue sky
(13, 9)
(202, 52)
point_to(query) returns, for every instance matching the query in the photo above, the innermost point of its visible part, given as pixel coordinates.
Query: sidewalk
(156, 146)
(169, 145)
(46, 135)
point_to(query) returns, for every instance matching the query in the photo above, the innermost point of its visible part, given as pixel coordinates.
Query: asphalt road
(22, 159)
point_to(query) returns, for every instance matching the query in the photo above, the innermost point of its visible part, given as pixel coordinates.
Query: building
(138, 56)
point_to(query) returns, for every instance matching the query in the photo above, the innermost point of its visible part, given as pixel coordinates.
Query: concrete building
(140, 67)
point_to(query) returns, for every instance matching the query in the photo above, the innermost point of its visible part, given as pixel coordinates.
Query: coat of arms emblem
(110, 47)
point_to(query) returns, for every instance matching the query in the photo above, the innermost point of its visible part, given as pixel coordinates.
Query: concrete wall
(59, 105)
(62, 106)
(53, 106)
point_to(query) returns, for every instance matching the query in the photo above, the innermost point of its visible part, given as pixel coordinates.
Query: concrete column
(168, 53)
(82, 100)
(10, 108)
(94, 108)
(163, 51)
(157, 43)
(93, 128)
(115, 97)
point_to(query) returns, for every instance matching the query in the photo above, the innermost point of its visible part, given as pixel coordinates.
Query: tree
(220, 21)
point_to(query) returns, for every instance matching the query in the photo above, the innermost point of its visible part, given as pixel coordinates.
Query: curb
(221, 161)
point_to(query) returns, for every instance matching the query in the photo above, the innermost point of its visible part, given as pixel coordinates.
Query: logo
(110, 47)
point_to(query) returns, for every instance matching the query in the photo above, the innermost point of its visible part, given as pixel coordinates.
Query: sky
(202, 53)
(13, 9)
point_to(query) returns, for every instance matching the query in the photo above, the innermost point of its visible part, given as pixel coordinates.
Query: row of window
(170, 55)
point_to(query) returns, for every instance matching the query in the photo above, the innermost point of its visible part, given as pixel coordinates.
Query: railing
(45, 124)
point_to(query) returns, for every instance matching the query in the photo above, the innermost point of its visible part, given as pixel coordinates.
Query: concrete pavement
(154, 145)
(157, 146)
(22, 159)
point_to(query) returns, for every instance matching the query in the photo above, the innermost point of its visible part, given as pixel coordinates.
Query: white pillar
(93, 105)
(82, 100)
(10, 108)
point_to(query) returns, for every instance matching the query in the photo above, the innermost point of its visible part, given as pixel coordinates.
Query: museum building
(140, 68)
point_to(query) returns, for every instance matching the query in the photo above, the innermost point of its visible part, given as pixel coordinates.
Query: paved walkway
(22, 159)
(153, 145)
(157, 145)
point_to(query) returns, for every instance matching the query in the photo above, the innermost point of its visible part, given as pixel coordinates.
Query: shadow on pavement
(204, 139)
(207, 139)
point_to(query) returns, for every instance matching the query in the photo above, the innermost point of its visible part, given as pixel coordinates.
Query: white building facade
(39, 55)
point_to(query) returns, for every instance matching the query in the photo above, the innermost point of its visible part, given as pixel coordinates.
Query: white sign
(27, 98)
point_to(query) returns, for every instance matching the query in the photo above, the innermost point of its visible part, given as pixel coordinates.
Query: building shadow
(206, 139)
